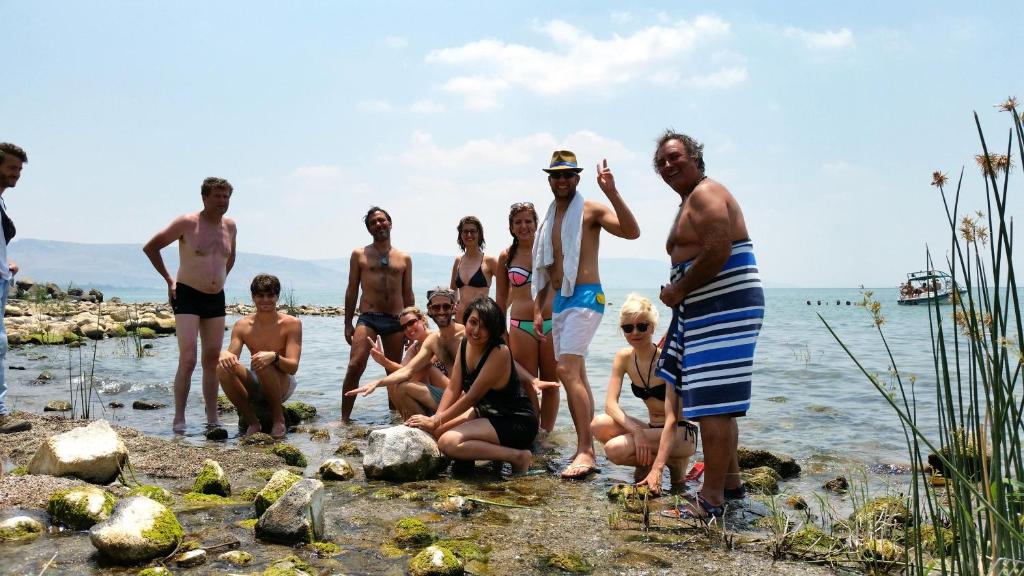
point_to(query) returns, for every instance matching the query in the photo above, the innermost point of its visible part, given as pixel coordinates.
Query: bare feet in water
(521, 464)
(253, 428)
(278, 430)
(583, 465)
(178, 425)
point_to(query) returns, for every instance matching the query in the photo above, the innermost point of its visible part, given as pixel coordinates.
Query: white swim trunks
(575, 319)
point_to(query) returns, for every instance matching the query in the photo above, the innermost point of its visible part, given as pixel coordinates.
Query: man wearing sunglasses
(717, 308)
(565, 260)
(384, 274)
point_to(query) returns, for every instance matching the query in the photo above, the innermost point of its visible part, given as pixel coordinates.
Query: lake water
(809, 399)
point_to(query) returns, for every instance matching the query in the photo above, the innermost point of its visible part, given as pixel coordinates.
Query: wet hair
(13, 150)
(412, 310)
(637, 305)
(441, 291)
(371, 212)
(265, 284)
(213, 183)
(693, 148)
(479, 231)
(492, 318)
(516, 209)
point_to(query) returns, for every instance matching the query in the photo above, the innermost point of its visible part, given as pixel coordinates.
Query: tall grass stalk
(977, 361)
(82, 394)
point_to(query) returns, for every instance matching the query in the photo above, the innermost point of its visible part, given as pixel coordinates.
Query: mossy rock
(199, 500)
(248, 524)
(152, 492)
(839, 485)
(355, 489)
(291, 455)
(348, 448)
(929, 539)
(810, 540)
(224, 404)
(466, 549)
(155, 571)
(20, 528)
(46, 338)
(236, 557)
(166, 532)
(71, 338)
(387, 493)
(623, 491)
(295, 412)
(289, 566)
(569, 562)
(796, 502)
(968, 460)
(436, 561)
(411, 533)
(212, 480)
(248, 495)
(117, 331)
(887, 511)
(263, 473)
(80, 507)
(57, 406)
(784, 465)
(19, 471)
(763, 480)
(324, 549)
(278, 484)
(145, 333)
(880, 552)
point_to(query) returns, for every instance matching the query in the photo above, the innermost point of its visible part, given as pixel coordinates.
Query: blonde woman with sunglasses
(630, 441)
(422, 392)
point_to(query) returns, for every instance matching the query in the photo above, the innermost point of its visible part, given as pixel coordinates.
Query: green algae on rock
(466, 549)
(762, 480)
(20, 528)
(248, 524)
(155, 571)
(436, 561)
(888, 511)
(291, 455)
(348, 448)
(569, 562)
(196, 499)
(811, 542)
(81, 507)
(236, 557)
(324, 549)
(248, 495)
(289, 566)
(212, 480)
(387, 493)
(224, 404)
(880, 552)
(153, 492)
(411, 533)
(784, 465)
(295, 412)
(278, 484)
(166, 531)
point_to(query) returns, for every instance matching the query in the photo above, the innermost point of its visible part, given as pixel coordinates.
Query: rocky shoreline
(68, 321)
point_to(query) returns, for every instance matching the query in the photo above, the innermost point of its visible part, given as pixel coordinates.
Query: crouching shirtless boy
(274, 341)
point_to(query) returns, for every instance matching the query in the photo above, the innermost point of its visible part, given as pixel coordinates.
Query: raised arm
(619, 221)
(351, 294)
(709, 216)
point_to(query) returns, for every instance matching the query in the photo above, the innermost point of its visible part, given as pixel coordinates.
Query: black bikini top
(477, 281)
(644, 392)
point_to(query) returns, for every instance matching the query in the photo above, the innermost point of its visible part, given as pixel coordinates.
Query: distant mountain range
(124, 266)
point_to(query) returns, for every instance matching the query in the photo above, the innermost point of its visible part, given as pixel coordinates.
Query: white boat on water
(928, 286)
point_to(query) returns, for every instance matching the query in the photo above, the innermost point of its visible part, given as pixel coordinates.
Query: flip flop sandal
(738, 493)
(587, 471)
(696, 502)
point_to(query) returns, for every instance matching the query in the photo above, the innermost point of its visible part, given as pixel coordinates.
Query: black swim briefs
(188, 300)
(380, 322)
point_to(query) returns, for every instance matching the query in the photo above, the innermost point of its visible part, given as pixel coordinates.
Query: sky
(824, 119)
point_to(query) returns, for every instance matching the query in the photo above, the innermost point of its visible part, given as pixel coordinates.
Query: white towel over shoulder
(544, 251)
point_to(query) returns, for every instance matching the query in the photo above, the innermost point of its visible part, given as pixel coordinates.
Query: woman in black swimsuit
(486, 414)
(531, 345)
(473, 271)
(629, 441)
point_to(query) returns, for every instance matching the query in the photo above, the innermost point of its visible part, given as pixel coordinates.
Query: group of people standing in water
(487, 382)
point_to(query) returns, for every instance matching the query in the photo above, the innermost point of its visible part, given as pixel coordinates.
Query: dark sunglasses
(522, 206)
(641, 327)
(563, 174)
(409, 323)
(439, 307)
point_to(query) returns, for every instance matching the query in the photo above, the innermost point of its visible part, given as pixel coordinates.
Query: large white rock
(94, 453)
(138, 530)
(297, 516)
(401, 453)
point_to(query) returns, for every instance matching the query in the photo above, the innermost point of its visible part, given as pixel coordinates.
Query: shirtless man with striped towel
(717, 308)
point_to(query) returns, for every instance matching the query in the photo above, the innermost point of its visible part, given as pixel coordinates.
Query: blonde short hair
(637, 305)
(412, 310)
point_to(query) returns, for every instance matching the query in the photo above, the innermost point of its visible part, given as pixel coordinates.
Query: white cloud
(578, 60)
(396, 42)
(725, 78)
(375, 105)
(426, 107)
(829, 40)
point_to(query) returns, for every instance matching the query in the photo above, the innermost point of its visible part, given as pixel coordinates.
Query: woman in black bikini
(530, 345)
(473, 271)
(486, 414)
(629, 441)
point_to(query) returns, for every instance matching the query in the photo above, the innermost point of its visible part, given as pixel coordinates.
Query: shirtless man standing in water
(206, 252)
(384, 274)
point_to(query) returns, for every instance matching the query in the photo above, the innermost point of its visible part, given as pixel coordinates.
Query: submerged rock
(236, 557)
(289, 566)
(411, 533)
(191, 558)
(80, 507)
(401, 453)
(94, 453)
(212, 480)
(297, 516)
(291, 455)
(785, 466)
(571, 563)
(278, 484)
(455, 505)
(20, 528)
(887, 511)
(57, 406)
(139, 529)
(155, 571)
(838, 484)
(348, 448)
(147, 405)
(295, 412)
(436, 561)
(763, 480)
(336, 469)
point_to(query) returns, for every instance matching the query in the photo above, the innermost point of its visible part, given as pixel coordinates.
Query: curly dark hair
(373, 210)
(491, 316)
(213, 183)
(693, 148)
(13, 150)
(516, 209)
(479, 229)
(265, 284)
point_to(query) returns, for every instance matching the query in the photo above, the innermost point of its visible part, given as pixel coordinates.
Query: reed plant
(83, 392)
(966, 519)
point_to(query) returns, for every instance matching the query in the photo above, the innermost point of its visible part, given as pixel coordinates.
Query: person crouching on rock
(629, 441)
(485, 414)
(274, 341)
